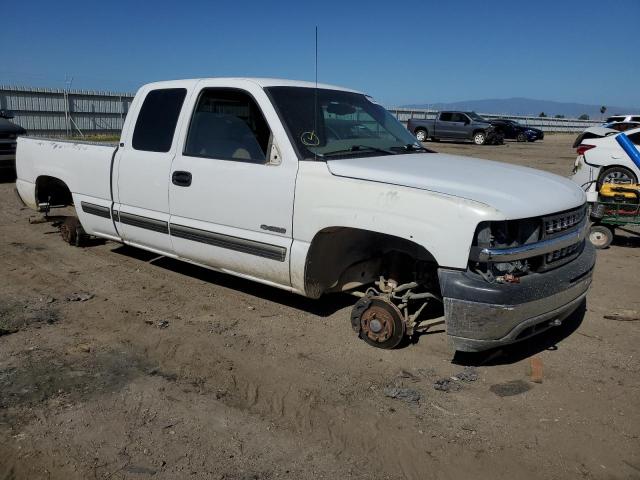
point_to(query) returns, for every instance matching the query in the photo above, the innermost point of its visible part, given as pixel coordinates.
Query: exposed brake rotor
(379, 322)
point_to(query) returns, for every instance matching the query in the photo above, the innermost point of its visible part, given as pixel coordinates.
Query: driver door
(231, 191)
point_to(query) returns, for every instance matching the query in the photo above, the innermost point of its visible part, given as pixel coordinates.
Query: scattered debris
(83, 347)
(536, 370)
(149, 322)
(400, 393)
(509, 389)
(446, 385)
(469, 374)
(163, 324)
(624, 316)
(79, 297)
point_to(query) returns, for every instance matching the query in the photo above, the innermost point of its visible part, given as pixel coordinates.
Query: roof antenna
(315, 103)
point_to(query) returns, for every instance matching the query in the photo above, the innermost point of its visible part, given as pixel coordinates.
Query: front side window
(228, 125)
(157, 120)
(477, 117)
(324, 123)
(458, 117)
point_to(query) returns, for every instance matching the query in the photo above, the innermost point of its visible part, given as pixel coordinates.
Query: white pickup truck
(317, 189)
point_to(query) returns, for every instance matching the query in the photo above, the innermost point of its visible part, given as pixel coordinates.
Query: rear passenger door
(231, 208)
(142, 169)
(459, 129)
(444, 125)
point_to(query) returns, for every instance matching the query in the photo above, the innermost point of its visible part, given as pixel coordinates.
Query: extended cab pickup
(320, 189)
(455, 126)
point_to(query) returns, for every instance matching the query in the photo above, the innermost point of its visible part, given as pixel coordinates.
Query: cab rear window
(157, 120)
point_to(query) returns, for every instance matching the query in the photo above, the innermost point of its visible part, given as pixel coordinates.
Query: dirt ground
(117, 364)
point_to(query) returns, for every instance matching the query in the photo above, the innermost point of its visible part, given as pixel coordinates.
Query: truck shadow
(547, 340)
(323, 307)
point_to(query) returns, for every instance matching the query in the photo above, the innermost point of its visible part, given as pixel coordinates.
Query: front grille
(562, 253)
(561, 222)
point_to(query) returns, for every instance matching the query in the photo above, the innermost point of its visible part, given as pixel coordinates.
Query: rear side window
(635, 119)
(228, 125)
(635, 138)
(157, 120)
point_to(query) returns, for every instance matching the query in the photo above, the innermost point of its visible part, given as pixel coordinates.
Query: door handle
(181, 179)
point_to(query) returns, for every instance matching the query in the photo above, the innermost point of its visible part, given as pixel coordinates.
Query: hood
(9, 127)
(517, 192)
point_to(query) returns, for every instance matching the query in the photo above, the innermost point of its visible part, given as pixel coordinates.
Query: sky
(398, 52)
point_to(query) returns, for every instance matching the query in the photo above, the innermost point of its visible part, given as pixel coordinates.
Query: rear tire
(600, 236)
(612, 174)
(421, 135)
(479, 138)
(72, 232)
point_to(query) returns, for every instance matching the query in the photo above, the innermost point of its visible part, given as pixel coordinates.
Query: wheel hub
(377, 323)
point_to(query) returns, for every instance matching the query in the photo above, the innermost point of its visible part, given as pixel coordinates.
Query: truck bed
(85, 167)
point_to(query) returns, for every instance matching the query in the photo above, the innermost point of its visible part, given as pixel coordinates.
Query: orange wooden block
(536, 369)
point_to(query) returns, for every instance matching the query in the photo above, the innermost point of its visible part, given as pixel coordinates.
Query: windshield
(340, 124)
(476, 117)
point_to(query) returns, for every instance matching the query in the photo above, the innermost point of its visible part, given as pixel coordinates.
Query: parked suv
(452, 125)
(9, 132)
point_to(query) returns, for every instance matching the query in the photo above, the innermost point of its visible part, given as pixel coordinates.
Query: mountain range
(527, 106)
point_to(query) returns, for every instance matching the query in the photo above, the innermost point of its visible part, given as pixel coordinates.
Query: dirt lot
(124, 365)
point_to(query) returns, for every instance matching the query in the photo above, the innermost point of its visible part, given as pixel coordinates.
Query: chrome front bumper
(480, 315)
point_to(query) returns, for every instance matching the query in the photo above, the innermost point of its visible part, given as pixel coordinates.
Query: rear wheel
(479, 138)
(600, 236)
(616, 174)
(378, 322)
(421, 135)
(72, 232)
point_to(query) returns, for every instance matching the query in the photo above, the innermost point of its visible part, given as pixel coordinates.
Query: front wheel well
(53, 191)
(344, 259)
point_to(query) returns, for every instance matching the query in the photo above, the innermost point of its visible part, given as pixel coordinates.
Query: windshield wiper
(412, 147)
(356, 149)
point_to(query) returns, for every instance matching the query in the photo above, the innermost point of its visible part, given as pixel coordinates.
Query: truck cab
(317, 189)
(455, 125)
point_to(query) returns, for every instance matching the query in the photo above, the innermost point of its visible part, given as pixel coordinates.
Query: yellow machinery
(618, 205)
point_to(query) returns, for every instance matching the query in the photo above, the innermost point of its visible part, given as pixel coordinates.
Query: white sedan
(603, 159)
